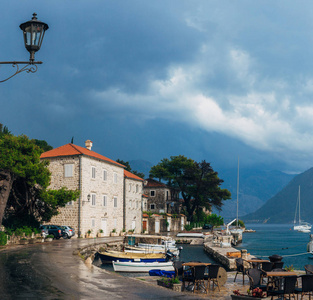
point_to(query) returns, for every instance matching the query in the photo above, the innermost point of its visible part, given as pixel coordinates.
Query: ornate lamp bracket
(30, 67)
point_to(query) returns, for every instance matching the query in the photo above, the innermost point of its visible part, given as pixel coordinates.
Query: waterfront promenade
(51, 271)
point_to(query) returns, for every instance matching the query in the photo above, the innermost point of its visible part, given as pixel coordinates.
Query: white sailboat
(301, 226)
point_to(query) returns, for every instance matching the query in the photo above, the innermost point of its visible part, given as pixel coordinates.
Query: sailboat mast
(299, 206)
(237, 190)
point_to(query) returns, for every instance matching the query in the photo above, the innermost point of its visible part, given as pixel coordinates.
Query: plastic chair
(308, 269)
(213, 276)
(240, 269)
(307, 286)
(255, 277)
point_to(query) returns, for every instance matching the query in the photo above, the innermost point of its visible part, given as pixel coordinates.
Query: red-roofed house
(102, 202)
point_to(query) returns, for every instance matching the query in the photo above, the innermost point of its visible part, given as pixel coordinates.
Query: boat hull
(108, 257)
(141, 267)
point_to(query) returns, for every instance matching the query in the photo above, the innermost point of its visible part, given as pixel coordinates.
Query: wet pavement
(51, 271)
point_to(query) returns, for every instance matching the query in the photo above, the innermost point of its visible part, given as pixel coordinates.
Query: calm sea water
(268, 239)
(278, 239)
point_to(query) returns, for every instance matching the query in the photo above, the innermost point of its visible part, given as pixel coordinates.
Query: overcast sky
(213, 80)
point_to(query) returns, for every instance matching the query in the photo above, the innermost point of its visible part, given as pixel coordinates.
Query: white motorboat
(136, 249)
(141, 267)
(191, 234)
(301, 226)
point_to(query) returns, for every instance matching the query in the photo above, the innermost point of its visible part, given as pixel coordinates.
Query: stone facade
(101, 183)
(161, 199)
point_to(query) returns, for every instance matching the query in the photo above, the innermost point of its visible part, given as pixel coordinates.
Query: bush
(188, 227)
(19, 232)
(50, 236)
(27, 230)
(3, 238)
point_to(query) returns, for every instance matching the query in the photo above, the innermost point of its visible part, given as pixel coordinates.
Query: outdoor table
(190, 266)
(194, 263)
(257, 261)
(272, 276)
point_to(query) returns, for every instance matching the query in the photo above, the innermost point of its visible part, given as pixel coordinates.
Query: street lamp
(33, 33)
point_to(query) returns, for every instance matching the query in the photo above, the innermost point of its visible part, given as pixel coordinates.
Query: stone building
(133, 204)
(100, 180)
(161, 198)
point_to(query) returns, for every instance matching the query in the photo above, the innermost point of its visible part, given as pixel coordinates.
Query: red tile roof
(154, 183)
(130, 175)
(71, 150)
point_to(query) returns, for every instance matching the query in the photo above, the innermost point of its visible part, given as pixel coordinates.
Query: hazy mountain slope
(281, 207)
(255, 188)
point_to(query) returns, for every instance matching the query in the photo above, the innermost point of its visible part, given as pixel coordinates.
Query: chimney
(88, 144)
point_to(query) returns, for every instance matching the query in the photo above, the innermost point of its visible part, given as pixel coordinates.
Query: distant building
(161, 198)
(106, 191)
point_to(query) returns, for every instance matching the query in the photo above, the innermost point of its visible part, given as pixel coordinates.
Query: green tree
(214, 220)
(129, 169)
(43, 145)
(198, 184)
(24, 180)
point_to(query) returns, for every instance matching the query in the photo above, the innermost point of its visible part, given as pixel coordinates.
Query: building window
(93, 222)
(93, 199)
(137, 188)
(115, 223)
(105, 175)
(130, 187)
(93, 172)
(152, 193)
(68, 170)
(115, 201)
(152, 206)
(104, 200)
(69, 203)
(115, 177)
(130, 204)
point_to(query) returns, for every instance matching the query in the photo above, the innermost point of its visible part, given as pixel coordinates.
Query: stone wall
(97, 213)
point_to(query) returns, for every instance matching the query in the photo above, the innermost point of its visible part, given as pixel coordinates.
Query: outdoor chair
(213, 276)
(179, 269)
(240, 269)
(199, 278)
(288, 289)
(188, 278)
(308, 269)
(306, 286)
(255, 277)
(278, 265)
(266, 267)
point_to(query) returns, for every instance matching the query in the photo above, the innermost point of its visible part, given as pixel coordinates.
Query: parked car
(69, 232)
(55, 230)
(207, 226)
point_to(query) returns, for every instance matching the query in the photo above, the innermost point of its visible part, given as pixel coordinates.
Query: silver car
(69, 232)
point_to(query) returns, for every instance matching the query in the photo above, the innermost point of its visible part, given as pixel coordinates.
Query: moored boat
(141, 267)
(109, 256)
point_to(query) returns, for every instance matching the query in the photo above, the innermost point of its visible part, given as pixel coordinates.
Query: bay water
(278, 239)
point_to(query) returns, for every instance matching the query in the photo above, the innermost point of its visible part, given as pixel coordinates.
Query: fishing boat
(141, 267)
(109, 256)
(301, 226)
